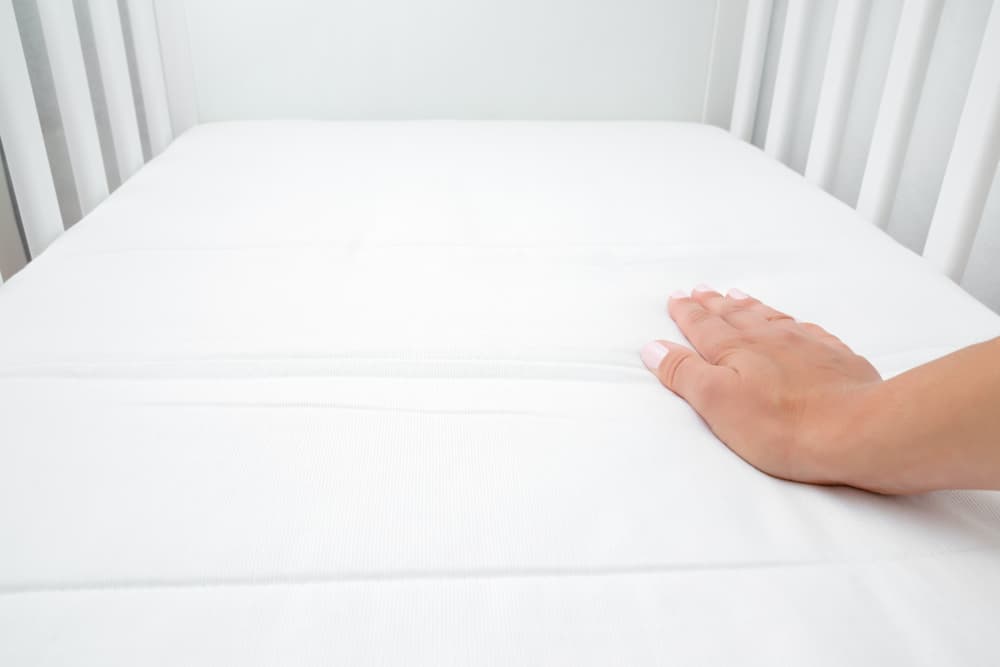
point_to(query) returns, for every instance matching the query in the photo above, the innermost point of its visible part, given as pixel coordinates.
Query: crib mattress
(310, 393)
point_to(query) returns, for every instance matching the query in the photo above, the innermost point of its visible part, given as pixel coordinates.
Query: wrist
(883, 445)
(849, 441)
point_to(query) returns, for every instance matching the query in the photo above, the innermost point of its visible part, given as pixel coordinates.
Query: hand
(780, 393)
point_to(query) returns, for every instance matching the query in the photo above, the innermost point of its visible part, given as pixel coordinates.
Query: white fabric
(369, 393)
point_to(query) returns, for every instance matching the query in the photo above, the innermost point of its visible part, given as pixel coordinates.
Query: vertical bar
(781, 124)
(23, 143)
(972, 164)
(904, 81)
(720, 84)
(69, 75)
(178, 71)
(149, 68)
(751, 68)
(841, 70)
(113, 61)
(13, 246)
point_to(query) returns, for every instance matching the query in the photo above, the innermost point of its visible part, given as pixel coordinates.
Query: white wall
(559, 59)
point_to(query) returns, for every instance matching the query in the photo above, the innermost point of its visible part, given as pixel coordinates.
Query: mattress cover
(369, 393)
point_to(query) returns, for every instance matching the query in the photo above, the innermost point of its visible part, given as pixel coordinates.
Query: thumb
(684, 372)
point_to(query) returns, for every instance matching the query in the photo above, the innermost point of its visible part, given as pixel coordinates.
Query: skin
(797, 403)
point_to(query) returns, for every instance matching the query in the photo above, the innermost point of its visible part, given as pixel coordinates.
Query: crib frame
(163, 68)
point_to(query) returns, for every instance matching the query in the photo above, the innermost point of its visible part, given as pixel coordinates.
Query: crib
(155, 93)
(325, 347)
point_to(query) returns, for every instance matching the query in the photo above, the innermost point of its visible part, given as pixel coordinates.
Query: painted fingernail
(702, 287)
(652, 354)
(678, 294)
(737, 294)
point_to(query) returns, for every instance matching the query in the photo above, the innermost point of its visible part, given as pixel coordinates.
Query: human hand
(780, 393)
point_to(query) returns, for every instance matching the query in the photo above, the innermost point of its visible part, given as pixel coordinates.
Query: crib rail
(24, 146)
(972, 163)
(116, 77)
(73, 96)
(104, 67)
(910, 54)
(834, 103)
(976, 150)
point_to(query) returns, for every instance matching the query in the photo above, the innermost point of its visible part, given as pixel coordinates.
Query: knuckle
(699, 316)
(812, 327)
(786, 335)
(673, 368)
(746, 303)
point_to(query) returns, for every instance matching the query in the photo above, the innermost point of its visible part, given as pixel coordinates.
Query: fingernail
(737, 294)
(678, 294)
(702, 288)
(652, 355)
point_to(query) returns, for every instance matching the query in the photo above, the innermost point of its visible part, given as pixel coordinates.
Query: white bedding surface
(369, 393)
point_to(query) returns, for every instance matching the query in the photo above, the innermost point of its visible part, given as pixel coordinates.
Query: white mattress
(359, 394)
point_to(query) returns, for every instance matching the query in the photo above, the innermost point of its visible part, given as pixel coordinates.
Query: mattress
(309, 393)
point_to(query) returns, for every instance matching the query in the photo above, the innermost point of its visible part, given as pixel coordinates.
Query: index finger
(708, 333)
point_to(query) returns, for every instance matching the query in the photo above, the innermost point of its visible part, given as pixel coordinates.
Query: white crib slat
(840, 73)
(147, 57)
(178, 71)
(62, 42)
(972, 164)
(781, 126)
(110, 45)
(730, 19)
(23, 144)
(900, 97)
(751, 68)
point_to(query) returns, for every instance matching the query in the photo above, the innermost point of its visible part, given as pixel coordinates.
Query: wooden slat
(111, 56)
(178, 71)
(972, 164)
(150, 73)
(23, 143)
(751, 68)
(13, 249)
(62, 41)
(787, 82)
(904, 81)
(846, 40)
(720, 85)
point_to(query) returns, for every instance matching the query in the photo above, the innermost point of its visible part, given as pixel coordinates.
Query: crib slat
(113, 61)
(900, 97)
(781, 126)
(147, 56)
(972, 164)
(841, 71)
(178, 70)
(62, 42)
(23, 144)
(751, 68)
(730, 19)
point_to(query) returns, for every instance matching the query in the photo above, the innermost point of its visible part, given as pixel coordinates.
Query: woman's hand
(797, 403)
(780, 393)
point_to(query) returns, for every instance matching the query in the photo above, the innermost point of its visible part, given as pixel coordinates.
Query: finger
(743, 311)
(685, 373)
(709, 299)
(737, 307)
(710, 335)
